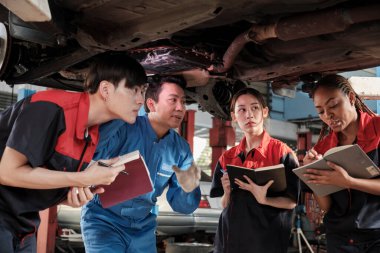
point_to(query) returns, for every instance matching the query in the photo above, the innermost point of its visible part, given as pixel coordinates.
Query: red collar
(82, 119)
(361, 137)
(262, 148)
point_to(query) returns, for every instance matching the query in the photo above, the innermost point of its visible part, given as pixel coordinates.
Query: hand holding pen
(107, 165)
(95, 174)
(311, 156)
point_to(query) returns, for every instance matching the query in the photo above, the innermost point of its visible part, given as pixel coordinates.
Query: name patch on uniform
(167, 168)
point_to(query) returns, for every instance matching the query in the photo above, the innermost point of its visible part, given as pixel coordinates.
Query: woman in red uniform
(353, 215)
(252, 220)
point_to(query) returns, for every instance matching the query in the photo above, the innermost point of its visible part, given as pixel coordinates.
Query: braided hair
(334, 81)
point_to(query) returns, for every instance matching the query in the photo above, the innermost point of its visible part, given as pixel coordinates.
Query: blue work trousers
(119, 236)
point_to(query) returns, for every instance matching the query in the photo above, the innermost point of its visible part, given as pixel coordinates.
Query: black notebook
(259, 176)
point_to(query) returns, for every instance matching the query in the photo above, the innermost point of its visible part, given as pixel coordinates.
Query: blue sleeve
(188, 158)
(181, 201)
(112, 136)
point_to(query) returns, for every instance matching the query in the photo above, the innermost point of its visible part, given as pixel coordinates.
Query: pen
(223, 171)
(103, 164)
(107, 165)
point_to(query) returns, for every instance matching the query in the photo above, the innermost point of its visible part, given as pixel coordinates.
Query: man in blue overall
(130, 226)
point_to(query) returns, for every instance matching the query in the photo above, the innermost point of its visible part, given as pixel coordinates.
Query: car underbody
(219, 46)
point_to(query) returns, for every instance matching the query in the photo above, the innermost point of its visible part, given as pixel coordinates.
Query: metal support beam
(187, 128)
(47, 230)
(303, 144)
(312, 209)
(221, 135)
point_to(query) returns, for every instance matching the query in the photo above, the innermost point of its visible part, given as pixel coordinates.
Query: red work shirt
(49, 129)
(353, 210)
(245, 225)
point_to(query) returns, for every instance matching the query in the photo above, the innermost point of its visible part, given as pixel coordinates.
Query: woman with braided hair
(352, 217)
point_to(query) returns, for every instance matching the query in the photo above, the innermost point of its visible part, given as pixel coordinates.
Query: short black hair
(114, 67)
(155, 86)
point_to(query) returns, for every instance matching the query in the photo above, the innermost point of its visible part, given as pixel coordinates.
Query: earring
(105, 99)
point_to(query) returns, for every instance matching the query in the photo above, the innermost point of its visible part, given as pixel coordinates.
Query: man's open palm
(188, 179)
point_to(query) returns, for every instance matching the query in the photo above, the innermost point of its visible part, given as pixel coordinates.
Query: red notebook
(134, 181)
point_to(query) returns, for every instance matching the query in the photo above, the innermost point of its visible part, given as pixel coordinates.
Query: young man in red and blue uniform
(49, 138)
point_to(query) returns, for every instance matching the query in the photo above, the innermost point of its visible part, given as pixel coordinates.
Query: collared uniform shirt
(352, 210)
(245, 225)
(119, 138)
(49, 129)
